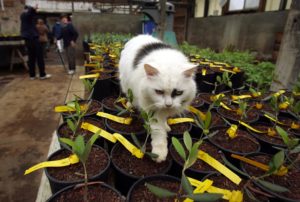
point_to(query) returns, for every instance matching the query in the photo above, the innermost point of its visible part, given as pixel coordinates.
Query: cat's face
(170, 90)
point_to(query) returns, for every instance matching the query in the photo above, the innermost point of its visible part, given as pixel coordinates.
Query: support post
(162, 20)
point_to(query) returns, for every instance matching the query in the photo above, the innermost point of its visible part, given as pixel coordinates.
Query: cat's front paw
(161, 151)
(168, 128)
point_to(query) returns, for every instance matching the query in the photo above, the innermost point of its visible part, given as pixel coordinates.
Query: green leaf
(276, 161)
(186, 185)
(207, 120)
(219, 79)
(160, 192)
(293, 143)
(272, 187)
(205, 197)
(193, 155)
(295, 150)
(283, 135)
(297, 107)
(77, 107)
(179, 148)
(88, 146)
(152, 155)
(135, 140)
(71, 125)
(187, 140)
(79, 147)
(67, 141)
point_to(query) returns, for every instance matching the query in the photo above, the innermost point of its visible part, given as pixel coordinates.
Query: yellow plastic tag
(256, 94)
(272, 119)
(89, 76)
(258, 105)
(217, 97)
(201, 188)
(123, 101)
(180, 120)
(60, 109)
(282, 171)
(271, 132)
(240, 97)
(295, 126)
(130, 147)
(57, 163)
(227, 70)
(118, 119)
(219, 167)
(96, 57)
(95, 129)
(231, 132)
(284, 105)
(236, 69)
(222, 63)
(236, 196)
(278, 93)
(296, 93)
(200, 114)
(251, 128)
(204, 63)
(91, 65)
(225, 106)
(203, 71)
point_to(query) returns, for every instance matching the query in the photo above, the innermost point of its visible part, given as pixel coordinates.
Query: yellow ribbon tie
(258, 105)
(201, 188)
(118, 119)
(227, 70)
(102, 133)
(89, 76)
(130, 147)
(256, 94)
(271, 132)
(251, 128)
(295, 126)
(57, 163)
(278, 93)
(216, 97)
(204, 71)
(284, 105)
(272, 119)
(91, 65)
(225, 106)
(60, 109)
(200, 114)
(282, 171)
(222, 63)
(296, 93)
(180, 120)
(240, 97)
(236, 196)
(219, 167)
(236, 69)
(204, 63)
(123, 101)
(231, 132)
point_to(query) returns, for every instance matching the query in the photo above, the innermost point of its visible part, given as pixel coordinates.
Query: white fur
(170, 64)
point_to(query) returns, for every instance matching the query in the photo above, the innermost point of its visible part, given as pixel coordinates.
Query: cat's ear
(189, 72)
(150, 71)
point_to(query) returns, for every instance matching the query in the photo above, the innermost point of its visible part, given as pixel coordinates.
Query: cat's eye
(159, 92)
(176, 93)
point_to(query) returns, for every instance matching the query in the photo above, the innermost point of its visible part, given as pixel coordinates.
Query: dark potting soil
(252, 115)
(132, 165)
(142, 194)
(290, 180)
(200, 165)
(66, 132)
(265, 137)
(95, 193)
(242, 143)
(135, 126)
(96, 162)
(110, 102)
(197, 102)
(179, 128)
(265, 107)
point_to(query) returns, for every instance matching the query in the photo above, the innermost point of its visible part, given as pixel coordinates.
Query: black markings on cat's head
(147, 49)
(176, 92)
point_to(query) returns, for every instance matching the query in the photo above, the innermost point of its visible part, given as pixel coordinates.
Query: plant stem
(85, 184)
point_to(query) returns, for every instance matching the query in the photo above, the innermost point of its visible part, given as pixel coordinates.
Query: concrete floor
(27, 124)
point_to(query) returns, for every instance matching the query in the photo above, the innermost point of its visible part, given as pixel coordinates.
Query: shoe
(47, 76)
(32, 78)
(71, 72)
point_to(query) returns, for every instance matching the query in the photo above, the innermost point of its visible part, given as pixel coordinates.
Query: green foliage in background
(259, 74)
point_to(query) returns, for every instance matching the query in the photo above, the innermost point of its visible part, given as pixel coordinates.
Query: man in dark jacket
(69, 35)
(31, 37)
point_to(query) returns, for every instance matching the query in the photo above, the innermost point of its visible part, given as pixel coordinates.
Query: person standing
(30, 34)
(69, 35)
(56, 30)
(43, 35)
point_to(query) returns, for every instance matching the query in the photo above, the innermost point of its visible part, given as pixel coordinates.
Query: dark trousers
(35, 54)
(71, 55)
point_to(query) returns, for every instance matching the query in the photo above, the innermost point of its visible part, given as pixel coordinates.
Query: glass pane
(251, 4)
(236, 5)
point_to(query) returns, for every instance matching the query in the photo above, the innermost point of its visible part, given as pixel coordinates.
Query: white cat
(161, 80)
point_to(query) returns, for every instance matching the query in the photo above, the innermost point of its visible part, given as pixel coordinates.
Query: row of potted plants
(261, 158)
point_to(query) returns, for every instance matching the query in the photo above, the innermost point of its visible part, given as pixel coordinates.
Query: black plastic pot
(277, 195)
(99, 185)
(178, 134)
(225, 115)
(100, 141)
(150, 179)
(109, 109)
(124, 180)
(104, 88)
(205, 84)
(57, 185)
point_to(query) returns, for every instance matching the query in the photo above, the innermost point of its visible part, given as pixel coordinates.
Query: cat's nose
(168, 105)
